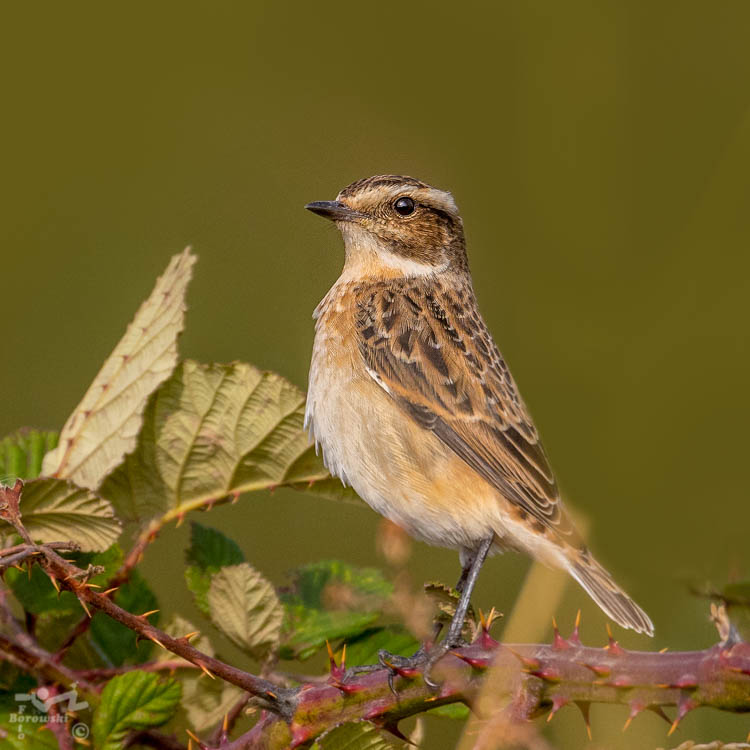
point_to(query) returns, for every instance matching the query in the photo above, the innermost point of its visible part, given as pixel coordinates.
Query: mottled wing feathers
(430, 350)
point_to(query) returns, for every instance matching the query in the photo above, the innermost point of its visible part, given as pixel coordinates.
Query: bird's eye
(404, 206)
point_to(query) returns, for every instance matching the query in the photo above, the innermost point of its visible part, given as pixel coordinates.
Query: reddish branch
(534, 678)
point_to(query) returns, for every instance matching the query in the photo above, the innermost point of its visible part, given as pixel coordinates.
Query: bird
(414, 407)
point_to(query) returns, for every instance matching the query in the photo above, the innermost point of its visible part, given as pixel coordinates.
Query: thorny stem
(539, 677)
(67, 576)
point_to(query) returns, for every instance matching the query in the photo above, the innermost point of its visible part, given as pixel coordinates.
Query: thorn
(486, 641)
(686, 682)
(92, 585)
(225, 723)
(583, 707)
(272, 695)
(206, 670)
(635, 709)
(664, 650)
(55, 583)
(558, 642)
(574, 636)
(189, 636)
(158, 642)
(190, 743)
(195, 738)
(528, 662)
(405, 672)
(109, 591)
(235, 497)
(613, 646)
(659, 711)
(548, 674)
(180, 519)
(472, 661)
(146, 614)
(598, 669)
(392, 727)
(343, 657)
(557, 703)
(86, 609)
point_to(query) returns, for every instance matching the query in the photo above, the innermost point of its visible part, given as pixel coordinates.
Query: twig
(278, 700)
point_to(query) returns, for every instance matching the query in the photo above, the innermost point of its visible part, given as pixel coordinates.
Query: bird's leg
(465, 585)
(424, 659)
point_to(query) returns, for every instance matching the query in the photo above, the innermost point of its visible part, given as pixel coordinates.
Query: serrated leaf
(104, 426)
(245, 608)
(330, 600)
(198, 582)
(446, 598)
(37, 595)
(365, 647)
(133, 701)
(113, 642)
(21, 454)
(209, 551)
(211, 431)
(359, 735)
(206, 702)
(55, 510)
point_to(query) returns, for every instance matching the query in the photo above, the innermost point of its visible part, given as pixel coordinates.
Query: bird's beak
(333, 210)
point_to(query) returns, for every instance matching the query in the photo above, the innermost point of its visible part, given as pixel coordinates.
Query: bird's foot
(422, 662)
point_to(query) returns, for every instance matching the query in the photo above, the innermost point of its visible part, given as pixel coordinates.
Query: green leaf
(211, 431)
(198, 582)
(364, 648)
(245, 608)
(115, 643)
(37, 595)
(21, 454)
(330, 600)
(209, 551)
(104, 426)
(359, 735)
(55, 510)
(455, 711)
(133, 701)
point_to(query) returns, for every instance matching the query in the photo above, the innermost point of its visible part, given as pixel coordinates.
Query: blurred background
(600, 153)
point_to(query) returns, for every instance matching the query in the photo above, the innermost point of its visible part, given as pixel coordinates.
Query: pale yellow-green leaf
(206, 702)
(54, 510)
(178, 627)
(104, 426)
(214, 430)
(245, 608)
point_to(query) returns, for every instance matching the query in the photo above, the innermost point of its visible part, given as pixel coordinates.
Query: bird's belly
(401, 470)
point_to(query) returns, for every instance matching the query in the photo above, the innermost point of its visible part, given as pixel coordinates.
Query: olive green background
(600, 152)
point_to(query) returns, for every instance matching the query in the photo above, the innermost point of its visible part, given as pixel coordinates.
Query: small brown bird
(414, 406)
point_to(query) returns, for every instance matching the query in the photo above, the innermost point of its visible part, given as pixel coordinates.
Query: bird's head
(397, 226)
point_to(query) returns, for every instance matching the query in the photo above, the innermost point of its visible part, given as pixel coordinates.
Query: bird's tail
(607, 594)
